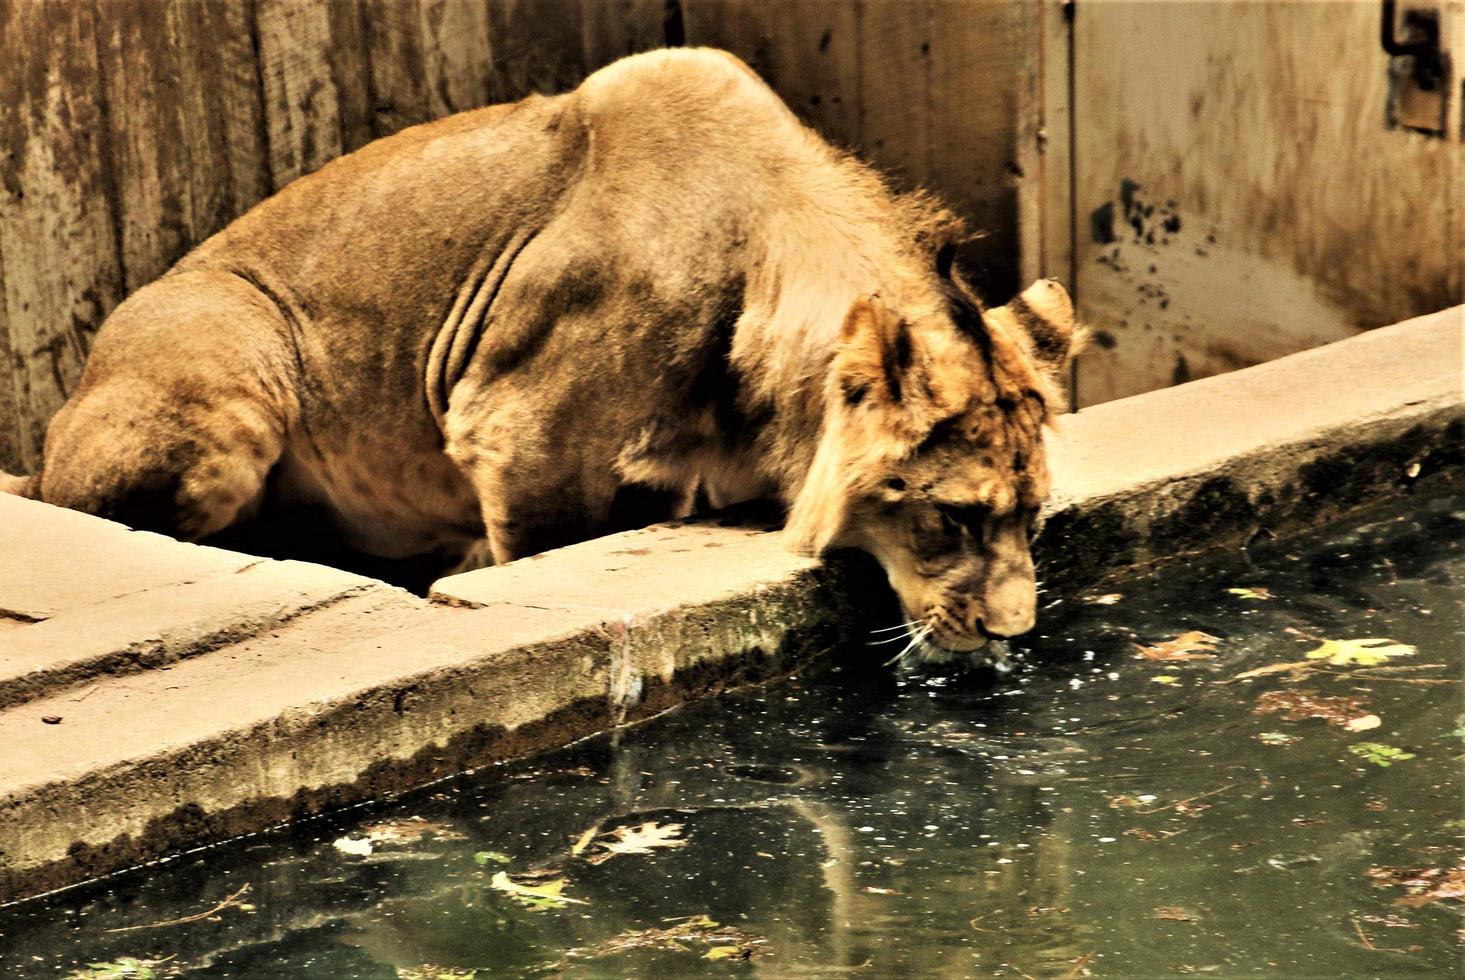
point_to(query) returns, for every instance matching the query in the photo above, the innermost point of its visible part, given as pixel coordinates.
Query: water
(1091, 814)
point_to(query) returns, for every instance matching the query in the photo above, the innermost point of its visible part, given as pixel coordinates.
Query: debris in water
(428, 971)
(408, 830)
(1105, 600)
(1303, 705)
(725, 941)
(548, 893)
(1379, 754)
(359, 846)
(1276, 738)
(1175, 913)
(1363, 723)
(1367, 652)
(484, 858)
(642, 839)
(1193, 645)
(122, 968)
(1259, 593)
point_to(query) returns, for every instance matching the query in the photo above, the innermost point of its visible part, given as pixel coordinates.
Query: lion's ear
(1044, 312)
(874, 354)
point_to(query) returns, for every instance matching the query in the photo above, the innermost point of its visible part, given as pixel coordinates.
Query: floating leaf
(359, 846)
(1259, 593)
(122, 968)
(680, 938)
(1287, 668)
(1367, 652)
(1165, 679)
(1175, 913)
(1423, 885)
(1105, 600)
(408, 831)
(1276, 738)
(543, 895)
(1379, 754)
(484, 858)
(641, 839)
(1363, 723)
(722, 953)
(427, 971)
(1193, 645)
(1126, 802)
(1302, 705)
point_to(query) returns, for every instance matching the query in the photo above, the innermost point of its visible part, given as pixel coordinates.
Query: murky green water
(1092, 814)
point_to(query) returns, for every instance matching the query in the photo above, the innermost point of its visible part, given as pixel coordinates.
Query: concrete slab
(53, 559)
(152, 628)
(173, 695)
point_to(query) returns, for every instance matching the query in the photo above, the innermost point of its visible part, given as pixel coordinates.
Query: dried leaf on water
(536, 893)
(1304, 705)
(1168, 680)
(428, 971)
(1295, 666)
(1105, 600)
(1192, 645)
(122, 968)
(637, 839)
(1258, 593)
(1175, 913)
(408, 830)
(1366, 652)
(686, 936)
(1379, 754)
(484, 858)
(1363, 723)
(1423, 885)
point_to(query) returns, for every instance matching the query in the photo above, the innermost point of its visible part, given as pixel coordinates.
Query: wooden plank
(612, 29)
(141, 87)
(456, 55)
(315, 82)
(1299, 218)
(57, 238)
(394, 53)
(1045, 214)
(221, 112)
(808, 52)
(538, 46)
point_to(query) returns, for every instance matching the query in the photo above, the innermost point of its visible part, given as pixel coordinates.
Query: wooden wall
(132, 129)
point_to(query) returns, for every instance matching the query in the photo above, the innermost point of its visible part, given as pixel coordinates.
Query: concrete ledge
(155, 696)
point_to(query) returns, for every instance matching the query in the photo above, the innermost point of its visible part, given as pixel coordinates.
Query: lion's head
(932, 455)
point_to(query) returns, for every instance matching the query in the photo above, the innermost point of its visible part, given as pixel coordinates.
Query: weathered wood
(612, 29)
(1298, 217)
(57, 245)
(808, 52)
(221, 112)
(456, 54)
(141, 81)
(538, 46)
(314, 75)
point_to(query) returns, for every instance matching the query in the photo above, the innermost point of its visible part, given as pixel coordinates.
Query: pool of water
(1125, 803)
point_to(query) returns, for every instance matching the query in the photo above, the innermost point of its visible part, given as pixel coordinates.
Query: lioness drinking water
(498, 326)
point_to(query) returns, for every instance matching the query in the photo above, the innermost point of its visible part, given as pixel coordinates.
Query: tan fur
(535, 323)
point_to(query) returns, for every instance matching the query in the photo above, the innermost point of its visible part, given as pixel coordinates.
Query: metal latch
(1419, 72)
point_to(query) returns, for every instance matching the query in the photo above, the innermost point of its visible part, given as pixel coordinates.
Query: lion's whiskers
(916, 639)
(906, 625)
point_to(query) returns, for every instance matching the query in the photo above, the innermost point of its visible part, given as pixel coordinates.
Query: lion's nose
(1011, 610)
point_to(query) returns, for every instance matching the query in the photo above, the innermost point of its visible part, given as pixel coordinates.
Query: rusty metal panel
(1240, 196)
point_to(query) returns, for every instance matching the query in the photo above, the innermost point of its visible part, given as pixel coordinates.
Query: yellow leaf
(551, 891)
(584, 840)
(1106, 600)
(1165, 679)
(721, 952)
(1367, 652)
(1259, 593)
(1363, 723)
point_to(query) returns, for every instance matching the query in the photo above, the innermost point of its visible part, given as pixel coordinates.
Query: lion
(526, 325)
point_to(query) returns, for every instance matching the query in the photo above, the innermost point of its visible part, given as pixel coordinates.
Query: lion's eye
(896, 484)
(955, 519)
